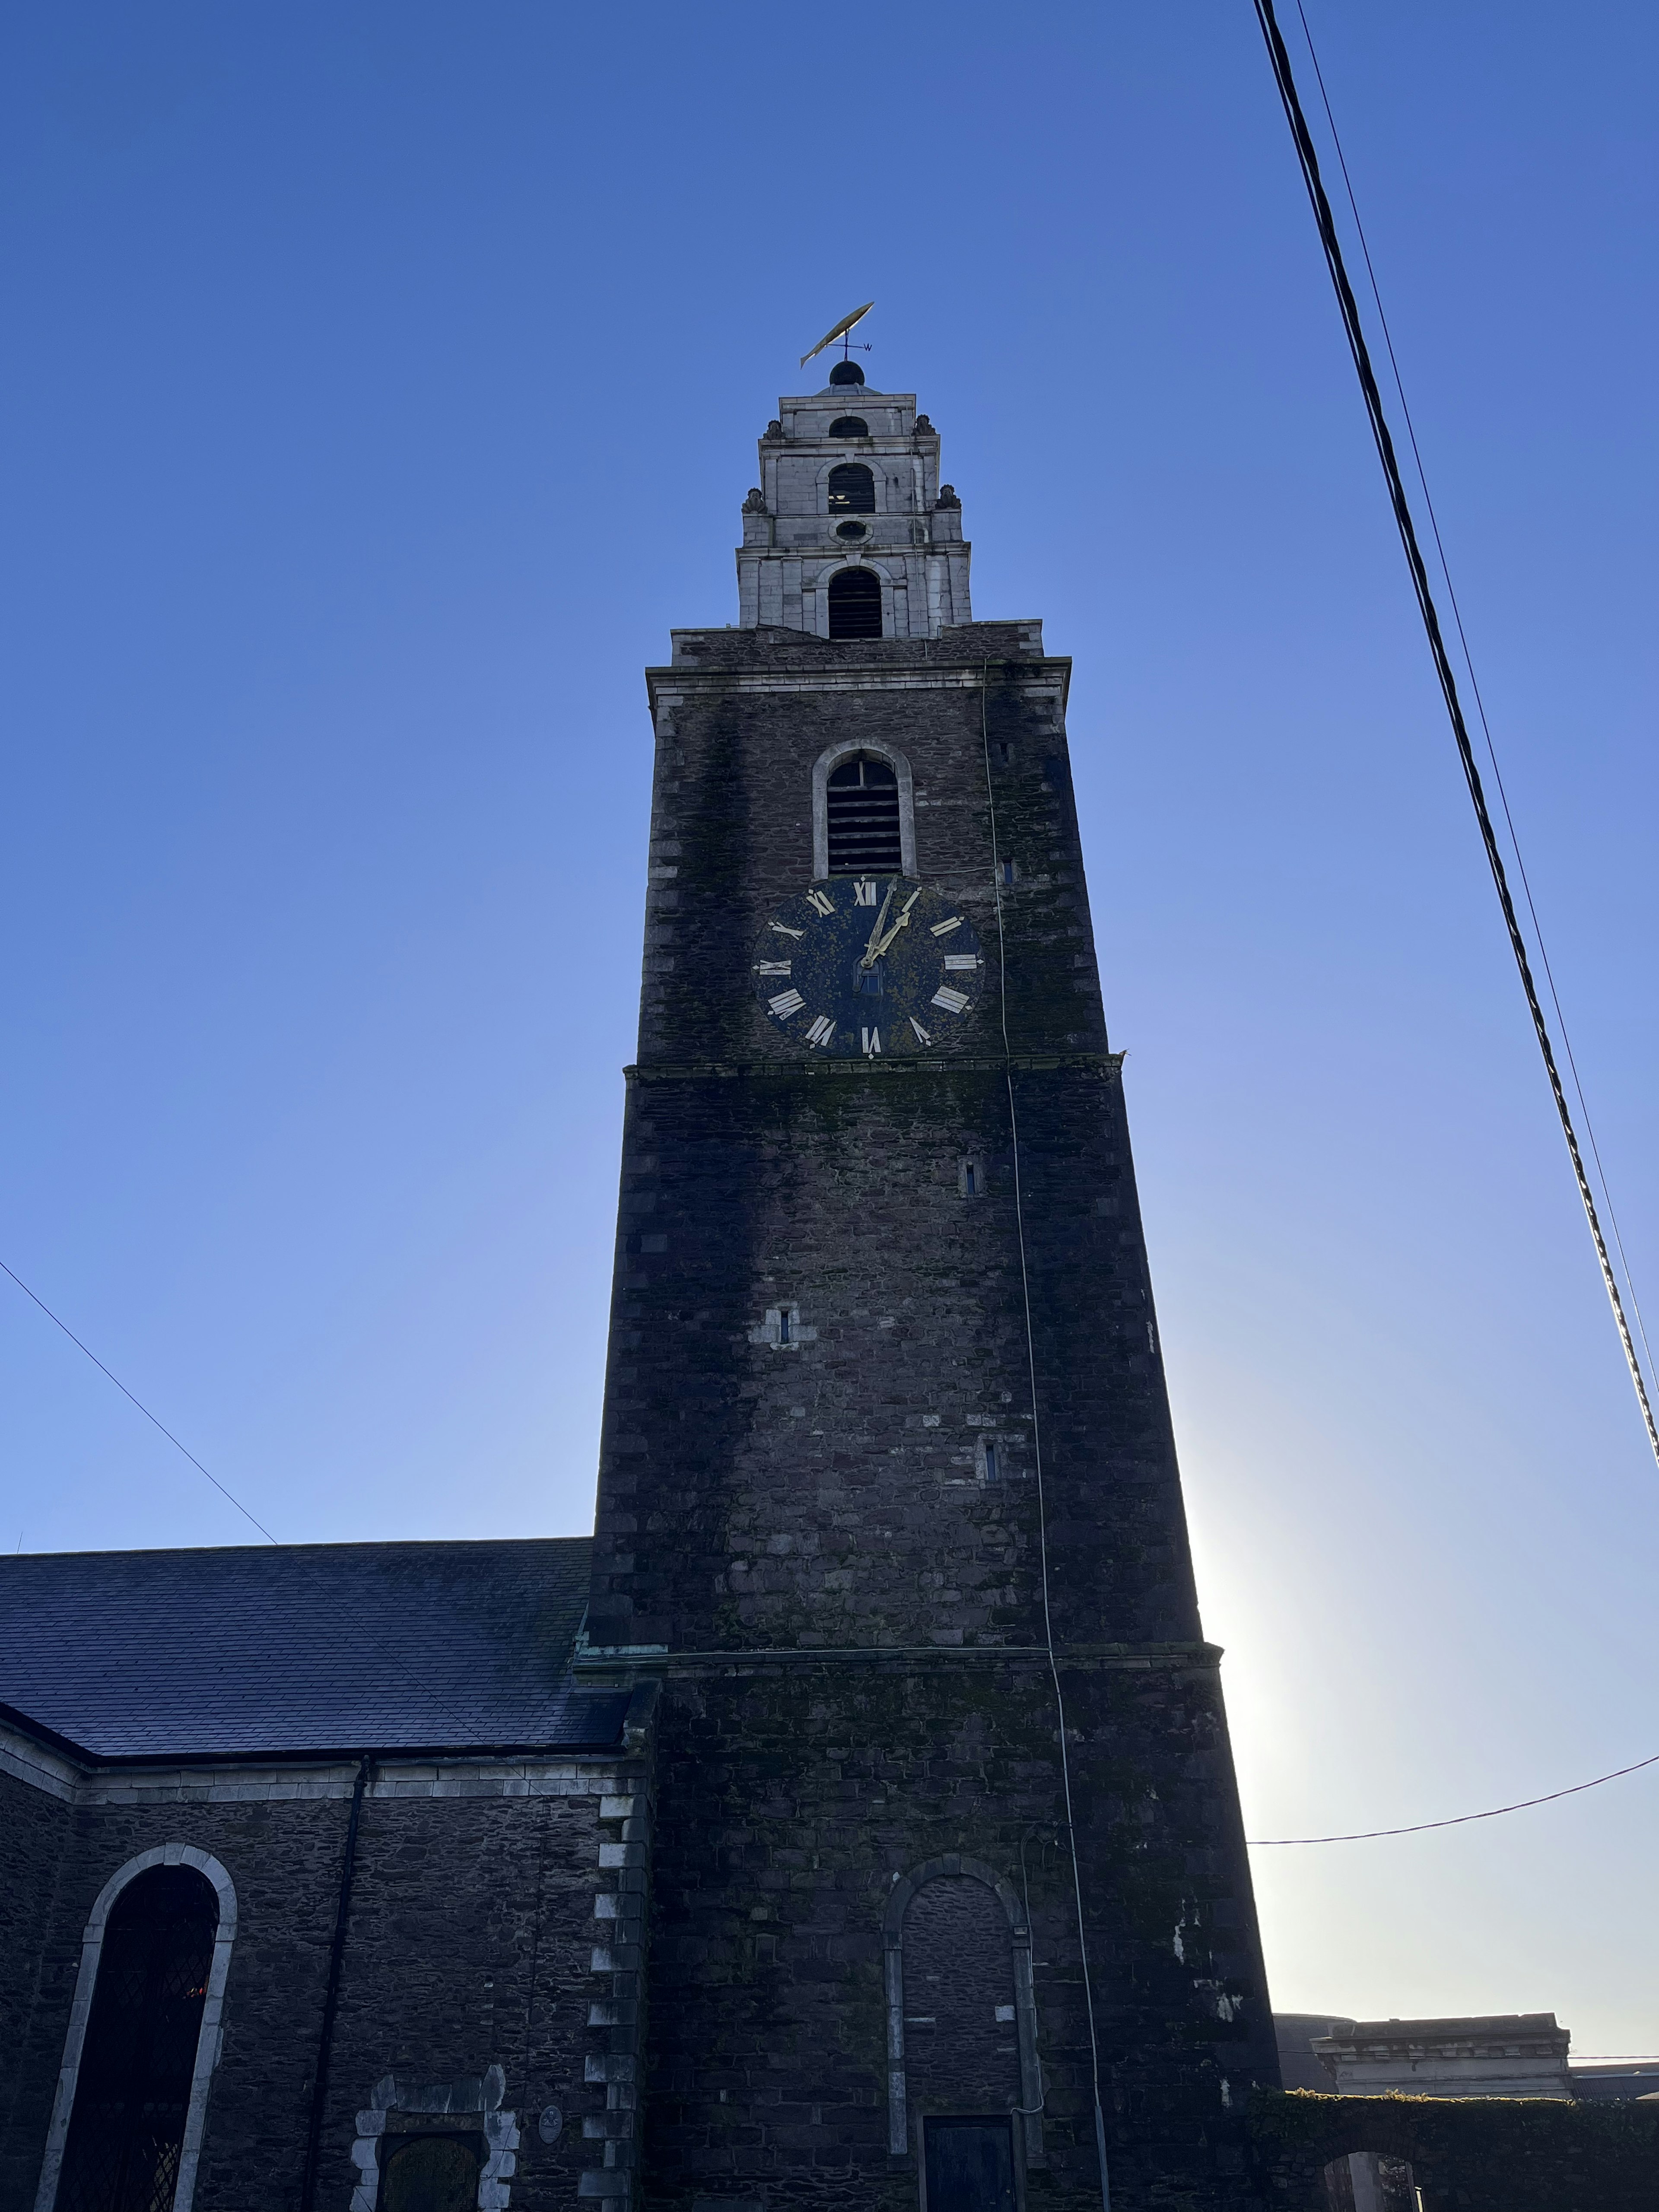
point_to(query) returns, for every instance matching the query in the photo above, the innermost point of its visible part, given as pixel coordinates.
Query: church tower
(941, 1901)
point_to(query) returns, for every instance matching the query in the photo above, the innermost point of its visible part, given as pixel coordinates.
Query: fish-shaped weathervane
(840, 332)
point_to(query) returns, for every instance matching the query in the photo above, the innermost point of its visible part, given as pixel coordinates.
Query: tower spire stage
(850, 479)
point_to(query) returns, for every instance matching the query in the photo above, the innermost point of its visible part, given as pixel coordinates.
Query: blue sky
(380, 385)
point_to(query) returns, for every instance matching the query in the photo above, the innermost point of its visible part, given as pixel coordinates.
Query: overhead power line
(139, 1402)
(375, 1643)
(1285, 78)
(1458, 1820)
(1444, 567)
(1258, 1843)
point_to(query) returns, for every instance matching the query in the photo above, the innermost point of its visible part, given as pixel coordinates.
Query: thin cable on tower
(1286, 81)
(1036, 1447)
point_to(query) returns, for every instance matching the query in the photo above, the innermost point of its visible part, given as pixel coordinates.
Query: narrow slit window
(783, 1326)
(863, 802)
(1005, 871)
(852, 488)
(992, 1470)
(969, 1180)
(855, 603)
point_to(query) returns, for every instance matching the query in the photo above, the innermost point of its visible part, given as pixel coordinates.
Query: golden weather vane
(840, 332)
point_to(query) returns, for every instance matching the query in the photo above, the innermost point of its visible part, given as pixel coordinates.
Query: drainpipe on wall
(332, 1996)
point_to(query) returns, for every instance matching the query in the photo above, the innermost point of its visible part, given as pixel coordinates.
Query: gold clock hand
(903, 922)
(872, 950)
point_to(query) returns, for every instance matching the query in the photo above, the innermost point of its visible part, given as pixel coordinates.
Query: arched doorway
(433, 2174)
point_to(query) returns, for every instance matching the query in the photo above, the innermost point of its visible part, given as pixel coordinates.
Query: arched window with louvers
(856, 601)
(852, 488)
(863, 812)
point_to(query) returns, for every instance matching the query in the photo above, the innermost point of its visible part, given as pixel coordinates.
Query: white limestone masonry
(792, 543)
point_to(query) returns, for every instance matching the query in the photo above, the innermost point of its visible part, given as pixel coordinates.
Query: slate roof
(302, 1648)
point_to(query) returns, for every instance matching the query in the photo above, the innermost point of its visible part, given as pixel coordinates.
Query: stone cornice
(38, 1759)
(40, 1765)
(661, 684)
(1092, 1658)
(1107, 1064)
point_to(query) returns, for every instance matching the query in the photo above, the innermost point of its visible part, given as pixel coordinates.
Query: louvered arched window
(852, 488)
(855, 603)
(132, 2091)
(863, 799)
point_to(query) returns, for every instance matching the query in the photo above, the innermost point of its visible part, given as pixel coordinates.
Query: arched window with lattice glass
(132, 2093)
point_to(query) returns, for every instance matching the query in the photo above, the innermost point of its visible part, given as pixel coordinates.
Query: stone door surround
(399, 2098)
(1031, 2075)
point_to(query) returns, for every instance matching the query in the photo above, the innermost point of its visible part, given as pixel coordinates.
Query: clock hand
(903, 922)
(872, 951)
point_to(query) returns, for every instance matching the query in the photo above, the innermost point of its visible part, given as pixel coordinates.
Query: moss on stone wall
(1466, 2154)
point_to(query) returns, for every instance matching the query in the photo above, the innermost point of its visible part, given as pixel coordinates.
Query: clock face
(869, 967)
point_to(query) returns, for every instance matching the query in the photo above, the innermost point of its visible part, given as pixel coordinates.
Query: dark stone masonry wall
(471, 1944)
(35, 1832)
(798, 1792)
(834, 1492)
(834, 1498)
(473, 1940)
(830, 1496)
(1466, 2154)
(743, 716)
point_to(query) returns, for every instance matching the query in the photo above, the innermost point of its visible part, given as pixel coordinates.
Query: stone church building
(851, 1822)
